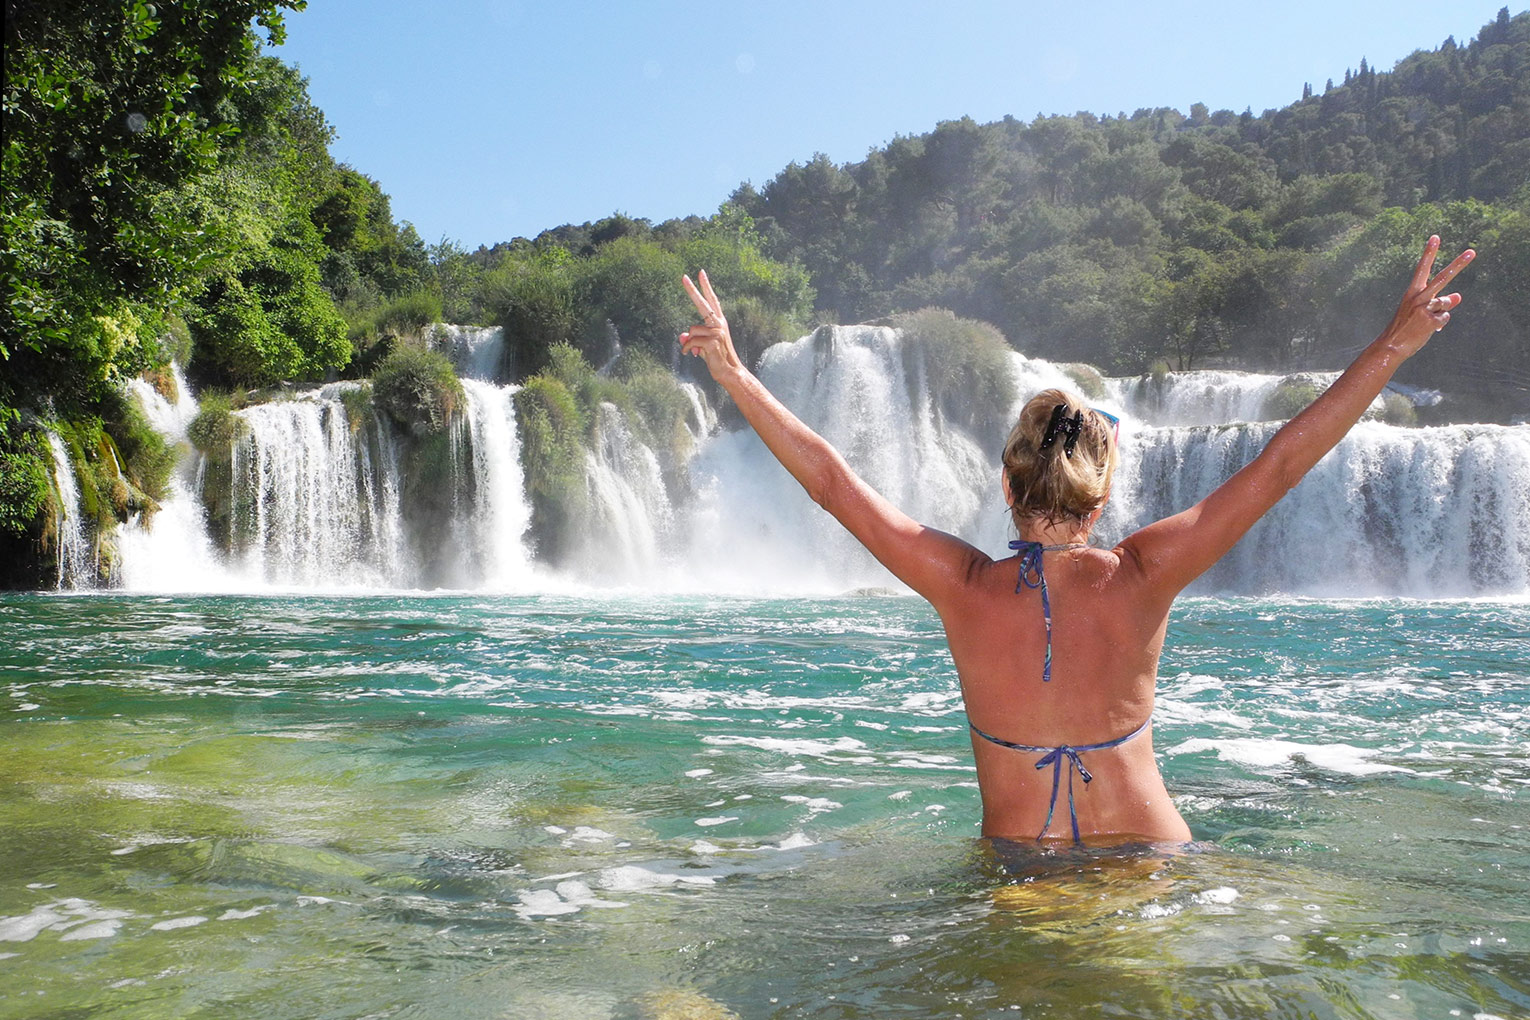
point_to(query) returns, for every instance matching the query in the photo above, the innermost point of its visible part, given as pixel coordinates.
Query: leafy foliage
(964, 365)
(216, 428)
(24, 466)
(109, 106)
(418, 389)
(270, 320)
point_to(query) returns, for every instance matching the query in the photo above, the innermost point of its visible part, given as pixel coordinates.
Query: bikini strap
(1055, 756)
(1030, 566)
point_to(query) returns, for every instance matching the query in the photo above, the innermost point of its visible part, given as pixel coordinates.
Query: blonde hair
(1048, 484)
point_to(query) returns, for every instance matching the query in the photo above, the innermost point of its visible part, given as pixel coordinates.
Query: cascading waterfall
(476, 351)
(314, 499)
(1436, 511)
(1423, 512)
(751, 527)
(1200, 398)
(319, 498)
(492, 523)
(172, 552)
(75, 566)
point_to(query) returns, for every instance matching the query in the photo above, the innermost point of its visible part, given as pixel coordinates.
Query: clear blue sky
(491, 119)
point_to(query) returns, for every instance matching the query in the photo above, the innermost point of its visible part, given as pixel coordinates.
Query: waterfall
(1390, 511)
(476, 351)
(314, 499)
(752, 527)
(1423, 512)
(172, 551)
(76, 566)
(169, 417)
(1219, 397)
(620, 539)
(314, 495)
(490, 530)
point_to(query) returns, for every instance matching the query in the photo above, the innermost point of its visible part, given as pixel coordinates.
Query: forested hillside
(1270, 240)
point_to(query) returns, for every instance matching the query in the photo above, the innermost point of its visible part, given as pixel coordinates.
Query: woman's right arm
(1176, 550)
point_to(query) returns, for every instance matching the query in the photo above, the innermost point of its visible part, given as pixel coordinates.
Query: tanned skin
(1110, 607)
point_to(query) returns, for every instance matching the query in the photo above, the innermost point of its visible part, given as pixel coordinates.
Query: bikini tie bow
(1055, 758)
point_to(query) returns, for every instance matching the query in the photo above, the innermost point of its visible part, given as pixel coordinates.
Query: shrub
(272, 320)
(659, 408)
(409, 314)
(1289, 399)
(634, 285)
(417, 388)
(533, 301)
(1087, 378)
(216, 428)
(965, 366)
(24, 466)
(1397, 409)
(552, 430)
(756, 326)
(358, 404)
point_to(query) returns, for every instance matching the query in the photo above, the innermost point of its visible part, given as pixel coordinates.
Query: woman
(1057, 647)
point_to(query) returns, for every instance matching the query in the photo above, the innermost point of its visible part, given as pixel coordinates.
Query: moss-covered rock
(418, 389)
(1089, 380)
(964, 363)
(1397, 409)
(360, 410)
(139, 450)
(216, 428)
(553, 431)
(1289, 398)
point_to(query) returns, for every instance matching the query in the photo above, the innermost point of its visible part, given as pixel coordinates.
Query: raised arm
(1176, 550)
(933, 563)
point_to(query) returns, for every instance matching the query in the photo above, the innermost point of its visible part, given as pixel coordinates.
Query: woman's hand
(1424, 310)
(711, 340)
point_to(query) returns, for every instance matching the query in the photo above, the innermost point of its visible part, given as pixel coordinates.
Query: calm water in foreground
(639, 806)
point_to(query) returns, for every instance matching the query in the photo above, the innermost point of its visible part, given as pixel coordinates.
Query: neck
(1072, 532)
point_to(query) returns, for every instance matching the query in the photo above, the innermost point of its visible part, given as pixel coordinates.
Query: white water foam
(75, 566)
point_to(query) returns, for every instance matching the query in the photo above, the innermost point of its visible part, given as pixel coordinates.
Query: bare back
(1104, 669)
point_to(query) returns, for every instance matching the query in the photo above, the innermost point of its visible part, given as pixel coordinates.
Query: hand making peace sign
(1424, 311)
(711, 340)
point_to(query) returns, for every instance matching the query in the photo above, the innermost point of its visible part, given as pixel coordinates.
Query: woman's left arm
(933, 563)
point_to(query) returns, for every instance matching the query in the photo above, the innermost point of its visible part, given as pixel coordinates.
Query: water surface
(629, 806)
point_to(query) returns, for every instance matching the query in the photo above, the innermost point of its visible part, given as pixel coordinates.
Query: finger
(706, 288)
(1425, 263)
(696, 298)
(1449, 272)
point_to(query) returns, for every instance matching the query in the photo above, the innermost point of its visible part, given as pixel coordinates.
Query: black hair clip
(1060, 423)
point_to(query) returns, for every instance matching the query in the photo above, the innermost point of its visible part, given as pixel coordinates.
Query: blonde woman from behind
(1057, 646)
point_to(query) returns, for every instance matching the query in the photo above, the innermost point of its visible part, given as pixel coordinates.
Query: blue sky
(491, 119)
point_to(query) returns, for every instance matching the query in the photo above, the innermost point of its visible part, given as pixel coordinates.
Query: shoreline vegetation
(171, 198)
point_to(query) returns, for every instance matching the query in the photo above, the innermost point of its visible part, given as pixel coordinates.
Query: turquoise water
(640, 806)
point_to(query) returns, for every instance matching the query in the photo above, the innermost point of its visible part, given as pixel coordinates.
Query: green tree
(109, 105)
